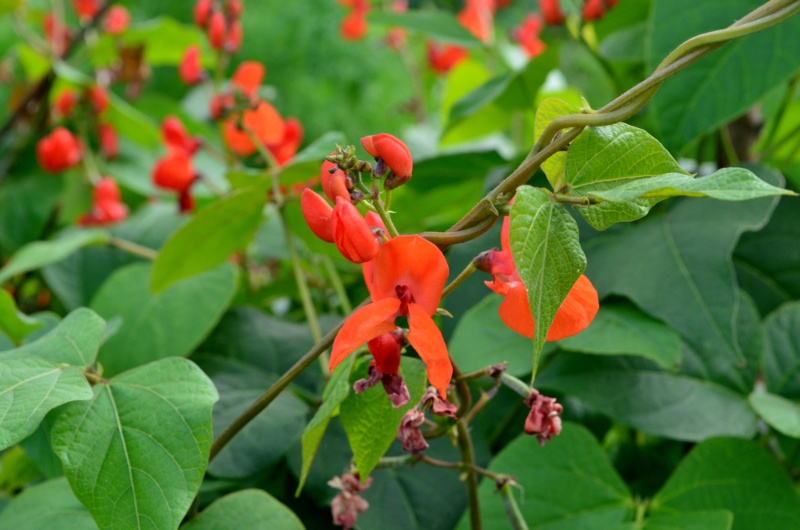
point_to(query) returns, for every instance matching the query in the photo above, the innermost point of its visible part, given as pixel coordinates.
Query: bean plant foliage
(399, 264)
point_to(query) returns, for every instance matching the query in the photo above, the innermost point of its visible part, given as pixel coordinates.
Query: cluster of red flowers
(221, 22)
(175, 171)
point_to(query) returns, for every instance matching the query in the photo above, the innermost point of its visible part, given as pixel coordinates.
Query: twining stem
(515, 517)
(133, 248)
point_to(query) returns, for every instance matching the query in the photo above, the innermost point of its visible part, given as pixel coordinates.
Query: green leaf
(209, 238)
(436, 24)
(756, 490)
(568, 483)
(782, 355)
(133, 124)
(248, 508)
(690, 282)
(627, 44)
(548, 255)
(621, 329)
(336, 391)
(555, 166)
(36, 255)
(585, 71)
(48, 505)
(169, 324)
(728, 184)
(369, 419)
(702, 97)
(14, 324)
(133, 469)
(603, 158)
(636, 392)
(73, 341)
(26, 203)
(780, 413)
(705, 520)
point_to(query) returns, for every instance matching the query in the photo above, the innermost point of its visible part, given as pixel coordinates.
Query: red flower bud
(248, 77)
(233, 41)
(190, 70)
(354, 25)
(65, 103)
(56, 33)
(109, 143)
(442, 57)
(333, 184)
(176, 138)
(317, 213)
(107, 206)
(351, 233)
(99, 99)
(116, 20)
(593, 10)
(202, 10)
(217, 30)
(58, 151)
(174, 172)
(394, 153)
(86, 8)
(234, 9)
(551, 11)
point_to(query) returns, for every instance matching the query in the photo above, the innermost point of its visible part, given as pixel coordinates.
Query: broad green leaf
(548, 255)
(133, 469)
(780, 413)
(50, 504)
(9, 6)
(603, 158)
(636, 392)
(555, 166)
(701, 98)
(568, 483)
(36, 255)
(699, 520)
(29, 388)
(782, 354)
(585, 71)
(336, 391)
(436, 24)
(621, 329)
(133, 124)
(76, 279)
(74, 341)
(627, 44)
(26, 203)
(209, 238)
(369, 419)
(15, 325)
(756, 490)
(728, 184)
(481, 338)
(169, 324)
(250, 508)
(690, 282)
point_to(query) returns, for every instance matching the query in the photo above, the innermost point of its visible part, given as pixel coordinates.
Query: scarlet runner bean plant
(435, 265)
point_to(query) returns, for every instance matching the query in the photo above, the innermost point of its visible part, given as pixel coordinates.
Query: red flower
(248, 77)
(354, 25)
(574, 315)
(202, 10)
(333, 184)
(392, 152)
(233, 40)
(109, 143)
(409, 274)
(478, 17)
(264, 122)
(87, 8)
(551, 11)
(593, 10)
(351, 233)
(190, 69)
(317, 213)
(107, 207)
(174, 172)
(116, 20)
(544, 418)
(527, 35)
(65, 103)
(56, 33)
(234, 9)
(176, 138)
(217, 30)
(98, 97)
(58, 151)
(290, 143)
(443, 57)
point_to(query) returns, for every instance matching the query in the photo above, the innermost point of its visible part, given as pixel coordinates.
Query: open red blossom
(116, 20)
(248, 77)
(99, 99)
(290, 143)
(174, 172)
(58, 151)
(87, 8)
(574, 315)
(176, 138)
(392, 152)
(408, 276)
(527, 35)
(551, 11)
(478, 17)
(107, 206)
(593, 10)
(217, 31)
(264, 122)
(202, 11)
(109, 142)
(443, 57)
(190, 70)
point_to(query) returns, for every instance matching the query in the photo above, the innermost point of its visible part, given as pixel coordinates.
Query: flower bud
(351, 234)
(98, 98)
(87, 8)
(116, 20)
(409, 432)
(544, 418)
(392, 152)
(202, 12)
(217, 30)
(190, 70)
(233, 40)
(174, 172)
(107, 206)
(334, 184)
(65, 103)
(317, 213)
(593, 10)
(354, 26)
(551, 12)
(109, 142)
(234, 9)
(176, 138)
(58, 151)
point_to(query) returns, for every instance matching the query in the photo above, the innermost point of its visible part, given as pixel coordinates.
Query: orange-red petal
(351, 234)
(317, 213)
(392, 151)
(515, 311)
(248, 77)
(577, 311)
(427, 340)
(365, 324)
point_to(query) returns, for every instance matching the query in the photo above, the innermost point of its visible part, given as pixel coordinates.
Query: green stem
(395, 462)
(787, 99)
(461, 278)
(727, 146)
(133, 248)
(515, 384)
(338, 286)
(515, 517)
(467, 451)
(385, 217)
(272, 163)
